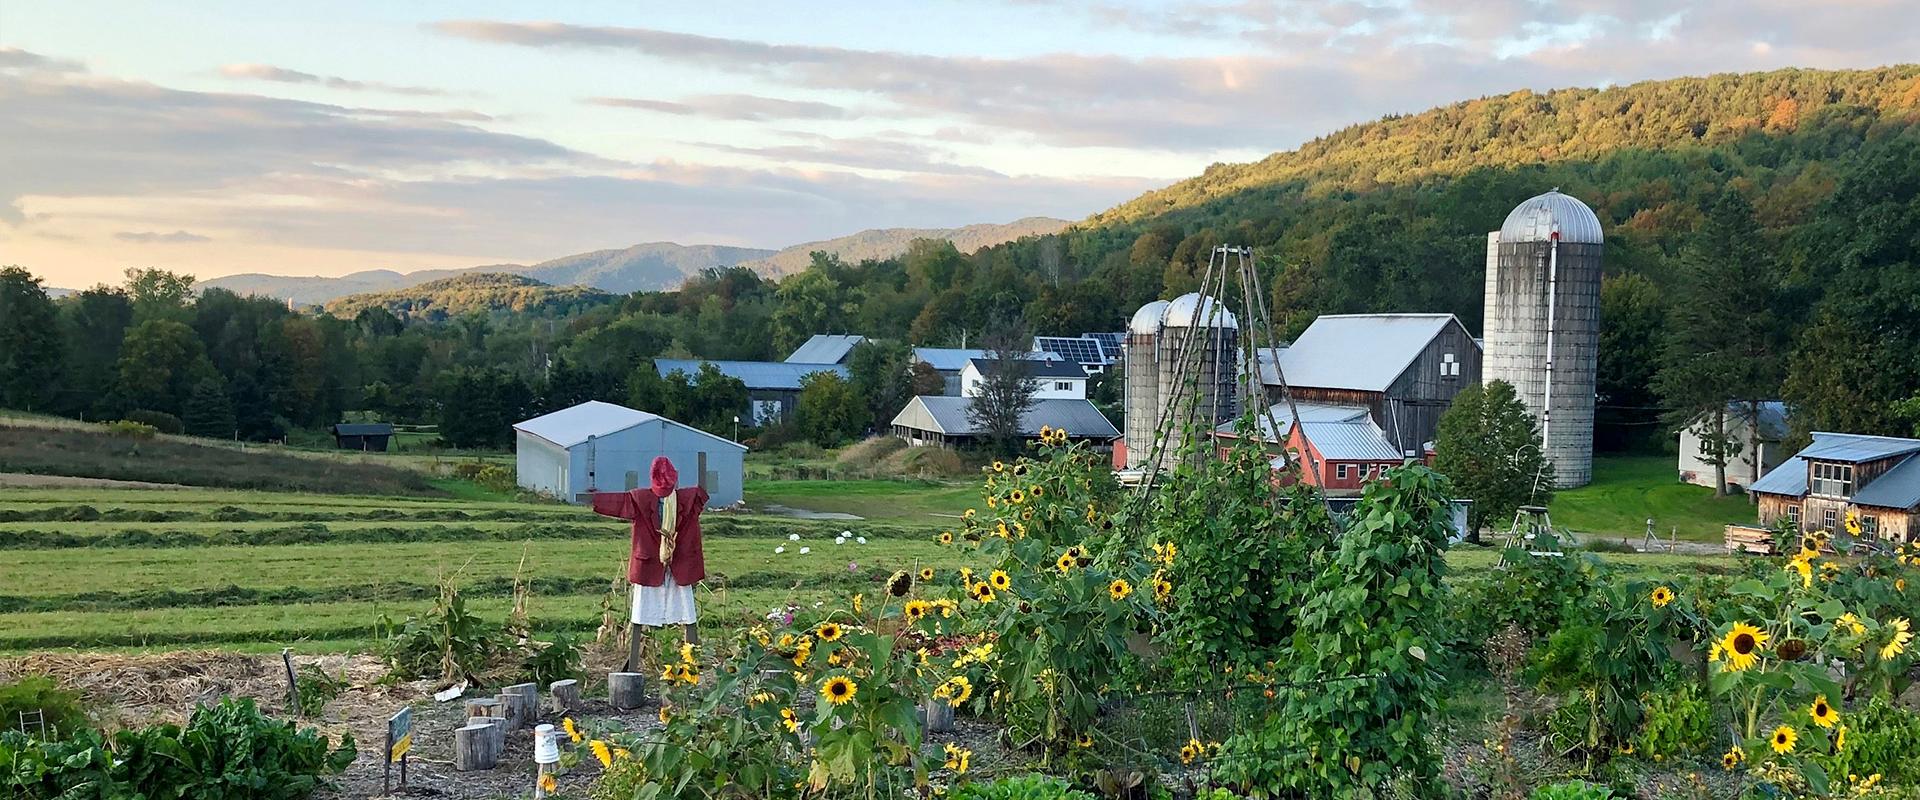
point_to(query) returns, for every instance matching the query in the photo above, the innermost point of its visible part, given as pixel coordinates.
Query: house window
(1340, 472)
(1834, 480)
(1063, 386)
(1832, 516)
(1869, 525)
(1793, 517)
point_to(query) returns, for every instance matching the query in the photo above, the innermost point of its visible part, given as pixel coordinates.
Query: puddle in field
(801, 513)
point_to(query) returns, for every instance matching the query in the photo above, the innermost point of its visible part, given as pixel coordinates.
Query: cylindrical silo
(1208, 374)
(1141, 405)
(1543, 322)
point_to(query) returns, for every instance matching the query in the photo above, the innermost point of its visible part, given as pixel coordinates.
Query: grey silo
(1198, 360)
(1142, 402)
(1543, 322)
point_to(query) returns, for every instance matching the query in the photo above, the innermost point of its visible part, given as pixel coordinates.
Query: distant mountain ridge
(474, 292)
(651, 266)
(888, 242)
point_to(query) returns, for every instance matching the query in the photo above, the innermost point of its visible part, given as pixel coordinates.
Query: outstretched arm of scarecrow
(615, 504)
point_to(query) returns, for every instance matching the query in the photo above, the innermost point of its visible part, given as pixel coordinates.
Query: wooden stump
(483, 707)
(626, 690)
(475, 747)
(564, 695)
(939, 716)
(529, 703)
(510, 707)
(500, 726)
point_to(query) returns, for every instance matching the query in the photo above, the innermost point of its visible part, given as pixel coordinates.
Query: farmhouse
(943, 421)
(1346, 446)
(371, 437)
(604, 447)
(773, 387)
(1877, 477)
(1742, 469)
(1404, 369)
(1051, 378)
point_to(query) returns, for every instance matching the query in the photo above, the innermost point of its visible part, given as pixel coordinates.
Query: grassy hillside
(87, 451)
(482, 292)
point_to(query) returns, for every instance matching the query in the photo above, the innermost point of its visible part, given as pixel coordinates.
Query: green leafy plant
(1572, 790)
(1679, 723)
(316, 689)
(449, 643)
(556, 660)
(1020, 787)
(38, 698)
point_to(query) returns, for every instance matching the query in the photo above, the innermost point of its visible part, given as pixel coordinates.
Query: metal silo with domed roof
(1142, 401)
(1543, 322)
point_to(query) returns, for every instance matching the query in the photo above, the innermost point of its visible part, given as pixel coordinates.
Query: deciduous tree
(1488, 446)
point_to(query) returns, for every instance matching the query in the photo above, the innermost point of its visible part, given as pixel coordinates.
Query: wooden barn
(370, 437)
(1404, 369)
(1877, 477)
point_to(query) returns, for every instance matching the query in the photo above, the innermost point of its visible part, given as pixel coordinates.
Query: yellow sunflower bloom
(1823, 713)
(916, 610)
(859, 603)
(999, 466)
(838, 690)
(985, 595)
(688, 654)
(1902, 634)
(788, 720)
(1016, 497)
(828, 631)
(1119, 589)
(945, 537)
(548, 784)
(1803, 565)
(926, 574)
(1661, 597)
(1783, 739)
(1084, 741)
(1162, 590)
(1742, 646)
(1732, 758)
(601, 752)
(1064, 564)
(1035, 491)
(1840, 739)
(1191, 750)
(573, 733)
(998, 579)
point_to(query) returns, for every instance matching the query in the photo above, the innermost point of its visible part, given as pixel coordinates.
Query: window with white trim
(1869, 525)
(1833, 480)
(1793, 516)
(1832, 517)
(1449, 366)
(1063, 386)
(1340, 472)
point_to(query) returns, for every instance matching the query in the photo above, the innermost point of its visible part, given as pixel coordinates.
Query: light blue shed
(604, 447)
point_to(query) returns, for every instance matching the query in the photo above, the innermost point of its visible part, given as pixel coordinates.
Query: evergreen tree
(209, 411)
(29, 341)
(1722, 344)
(1488, 446)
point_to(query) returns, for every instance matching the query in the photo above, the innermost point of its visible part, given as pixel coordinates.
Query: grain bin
(1543, 322)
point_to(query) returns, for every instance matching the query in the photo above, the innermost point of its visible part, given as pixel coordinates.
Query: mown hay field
(246, 570)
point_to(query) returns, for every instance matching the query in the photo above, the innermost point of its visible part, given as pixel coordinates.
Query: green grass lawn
(919, 501)
(1626, 490)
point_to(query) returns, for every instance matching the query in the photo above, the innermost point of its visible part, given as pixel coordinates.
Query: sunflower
(1741, 645)
(838, 690)
(999, 466)
(666, 713)
(1783, 739)
(916, 610)
(992, 502)
(1001, 530)
(1853, 523)
(946, 607)
(788, 720)
(1732, 758)
(573, 733)
(601, 752)
(999, 580)
(1902, 634)
(1084, 741)
(1162, 590)
(828, 631)
(968, 514)
(899, 584)
(547, 783)
(1064, 564)
(1016, 497)
(1802, 564)
(1191, 750)
(689, 675)
(801, 653)
(959, 689)
(1119, 589)
(1164, 553)
(689, 653)
(1840, 739)
(1035, 491)
(958, 758)
(926, 574)
(1019, 470)
(1661, 597)
(1823, 713)
(1093, 512)
(945, 537)
(985, 594)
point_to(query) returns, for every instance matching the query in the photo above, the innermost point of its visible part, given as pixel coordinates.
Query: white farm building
(609, 448)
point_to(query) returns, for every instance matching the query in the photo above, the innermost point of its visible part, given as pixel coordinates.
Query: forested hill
(893, 242)
(475, 292)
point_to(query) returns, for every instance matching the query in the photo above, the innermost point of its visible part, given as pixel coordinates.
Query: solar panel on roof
(1078, 349)
(1110, 344)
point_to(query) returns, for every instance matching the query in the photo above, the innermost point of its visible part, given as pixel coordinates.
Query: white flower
(805, 550)
(846, 533)
(780, 549)
(793, 537)
(840, 540)
(862, 540)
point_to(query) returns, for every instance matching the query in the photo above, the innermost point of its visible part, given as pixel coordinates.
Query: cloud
(730, 107)
(147, 237)
(16, 59)
(268, 72)
(860, 153)
(1289, 70)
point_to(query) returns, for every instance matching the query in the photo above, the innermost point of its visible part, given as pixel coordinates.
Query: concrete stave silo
(1207, 375)
(1543, 322)
(1141, 405)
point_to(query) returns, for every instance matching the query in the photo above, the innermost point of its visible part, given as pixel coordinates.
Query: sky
(320, 139)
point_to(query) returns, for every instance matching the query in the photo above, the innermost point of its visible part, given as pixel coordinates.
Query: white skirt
(666, 604)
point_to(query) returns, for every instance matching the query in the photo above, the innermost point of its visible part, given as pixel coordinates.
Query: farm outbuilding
(370, 437)
(606, 447)
(938, 421)
(1696, 467)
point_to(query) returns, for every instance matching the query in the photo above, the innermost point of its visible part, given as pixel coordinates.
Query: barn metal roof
(1361, 352)
(1789, 478)
(572, 426)
(1282, 418)
(363, 429)
(825, 348)
(776, 375)
(948, 415)
(947, 359)
(1537, 219)
(1358, 440)
(1896, 488)
(1854, 447)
